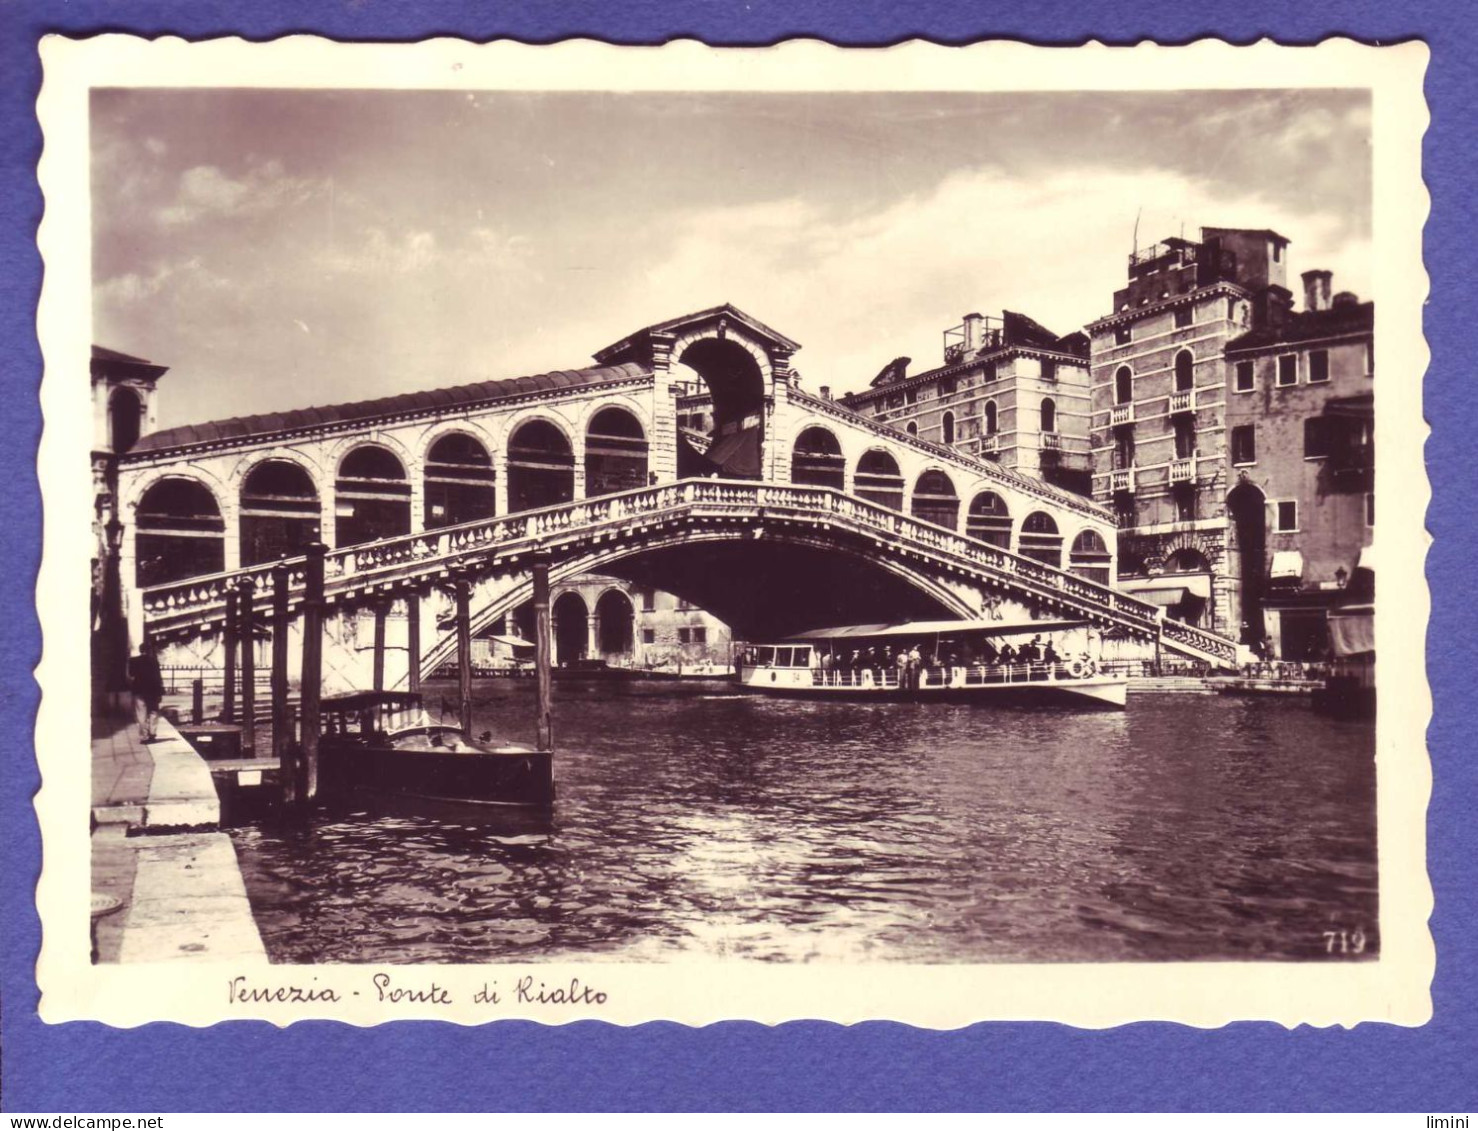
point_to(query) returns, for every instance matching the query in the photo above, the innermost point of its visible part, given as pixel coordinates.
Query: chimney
(1271, 307)
(973, 325)
(1345, 299)
(826, 392)
(1316, 289)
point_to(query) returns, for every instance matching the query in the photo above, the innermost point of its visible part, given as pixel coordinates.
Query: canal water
(695, 822)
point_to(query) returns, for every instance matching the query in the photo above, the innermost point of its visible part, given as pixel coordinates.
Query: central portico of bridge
(789, 512)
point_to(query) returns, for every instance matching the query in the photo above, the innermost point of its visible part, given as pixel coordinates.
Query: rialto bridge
(787, 512)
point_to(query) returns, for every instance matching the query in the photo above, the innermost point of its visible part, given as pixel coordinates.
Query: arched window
(947, 427)
(178, 532)
(989, 520)
(125, 420)
(1049, 415)
(1040, 539)
(991, 422)
(878, 480)
(615, 453)
(459, 481)
(934, 500)
(614, 617)
(1187, 560)
(571, 628)
(541, 467)
(817, 460)
(1184, 374)
(912, 428)
(1123, 385)
(1090, 557)
(372, 497)
(280, 512)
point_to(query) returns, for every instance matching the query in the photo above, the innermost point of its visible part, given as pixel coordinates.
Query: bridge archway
(178, 532)
(1041, 540)
(615, 453)
(737, 385)
(1089, 557)
(935, 500)
(816, 460)
(989, 520)
(541, 466)
(280, 512)
(571, 627)
(459, 481)
(372, 496)
(878, 479)
(615, 624)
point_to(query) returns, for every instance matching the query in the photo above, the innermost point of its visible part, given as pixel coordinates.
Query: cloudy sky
(284, 248)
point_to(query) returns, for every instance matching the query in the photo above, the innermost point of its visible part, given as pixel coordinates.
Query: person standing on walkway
(147, 685)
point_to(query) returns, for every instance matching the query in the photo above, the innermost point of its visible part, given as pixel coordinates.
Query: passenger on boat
(1008, 654)
(989, 654)
(1031, 652)
(1050, 655)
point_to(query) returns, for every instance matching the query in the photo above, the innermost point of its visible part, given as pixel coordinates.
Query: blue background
(739, 1066)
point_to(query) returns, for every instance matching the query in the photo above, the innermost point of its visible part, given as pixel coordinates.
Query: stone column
(592, 636)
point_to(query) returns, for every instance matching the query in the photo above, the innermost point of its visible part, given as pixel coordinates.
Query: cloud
(206, 191)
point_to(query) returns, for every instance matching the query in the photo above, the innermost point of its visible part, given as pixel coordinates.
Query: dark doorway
(989, 520)
(934, 500)
(459, 482)
(737, 386)
(615, 453)
(571, 628)
(541, 467)
(279, 512)
(614, 617)
(178, 532)
(125, 420)
(372, 497)
(817, 460)
(1248, 509)
(1040, 539)
(878, 481)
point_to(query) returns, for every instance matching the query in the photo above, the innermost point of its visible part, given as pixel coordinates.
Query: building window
(1288, 370)
(1183, 317)
(912, 428)
(1370, 508)
(1318, 366)
(1244, 444)
(1185, 437)
(947, 427)
(682, 635)
(1049, 415)
(991, 424)
(947, 386)
(649, 636)
(1124, 447)
(1185, 378)
(1246, 378)
(988, 373)
(1277, 252)
(910, 396)
(648, 600)
(1123, 385)
(1318, 437)
(1185, 502)
(1231, 310)
(700, 634)
(1123, 335)
(1049, 369)
(1287, 517)
(1370, 359)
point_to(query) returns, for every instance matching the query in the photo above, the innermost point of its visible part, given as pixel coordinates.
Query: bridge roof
(638, 344)
(425, 402)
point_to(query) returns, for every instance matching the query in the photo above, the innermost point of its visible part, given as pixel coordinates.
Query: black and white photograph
(559, 531)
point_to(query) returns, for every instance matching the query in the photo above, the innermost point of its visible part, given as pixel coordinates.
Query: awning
(512, 641)
(1352, 630)
(1165, 598)
(1198, 584)
(1287, 563)
(936, 627)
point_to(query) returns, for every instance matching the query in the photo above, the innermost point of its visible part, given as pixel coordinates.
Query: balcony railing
(991, 443)
(1122, 481)
(1122, 414)
(1051, 442)
(1183, 470)
(1182, 401)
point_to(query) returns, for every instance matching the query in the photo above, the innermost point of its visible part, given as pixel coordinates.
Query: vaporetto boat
(977, 660)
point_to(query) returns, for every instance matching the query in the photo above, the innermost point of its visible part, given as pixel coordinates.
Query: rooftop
(1309, 326)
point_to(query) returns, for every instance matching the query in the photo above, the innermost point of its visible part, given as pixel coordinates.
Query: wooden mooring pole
(282, 741)
(381, 610)
(544, 718)
(308, 717)
(228, 638)
(246, 622)
(413, 641)
(197, 701)
(464, 651)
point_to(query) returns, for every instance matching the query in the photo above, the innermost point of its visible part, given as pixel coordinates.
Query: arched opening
(1187, 560)
(1049, 415)
(989, 520)
(1248, 509)
(737, 387)
(178, 532)
(614, 620)
(912, 427)
(934, 500)
(541, 467)
(992, 419)
(280, 512)
(947, 428)
(1040, 539)
(372, 497)
(1184, 371)
(817, 460)
(878, 481)
(571, 628)
(615, 453)
(125, 420)
(459, 481)
(1123, 385)
(1089, 557)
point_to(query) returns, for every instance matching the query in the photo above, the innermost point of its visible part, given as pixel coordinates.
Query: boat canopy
(934, 628)
(363, 700)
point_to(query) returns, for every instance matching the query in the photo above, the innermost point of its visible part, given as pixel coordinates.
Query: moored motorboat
(386, 742)
(974, 661)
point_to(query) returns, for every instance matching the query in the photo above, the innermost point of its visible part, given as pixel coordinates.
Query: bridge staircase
(583, 528)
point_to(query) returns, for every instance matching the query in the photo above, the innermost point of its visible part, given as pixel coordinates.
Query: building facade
(1010, 391)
